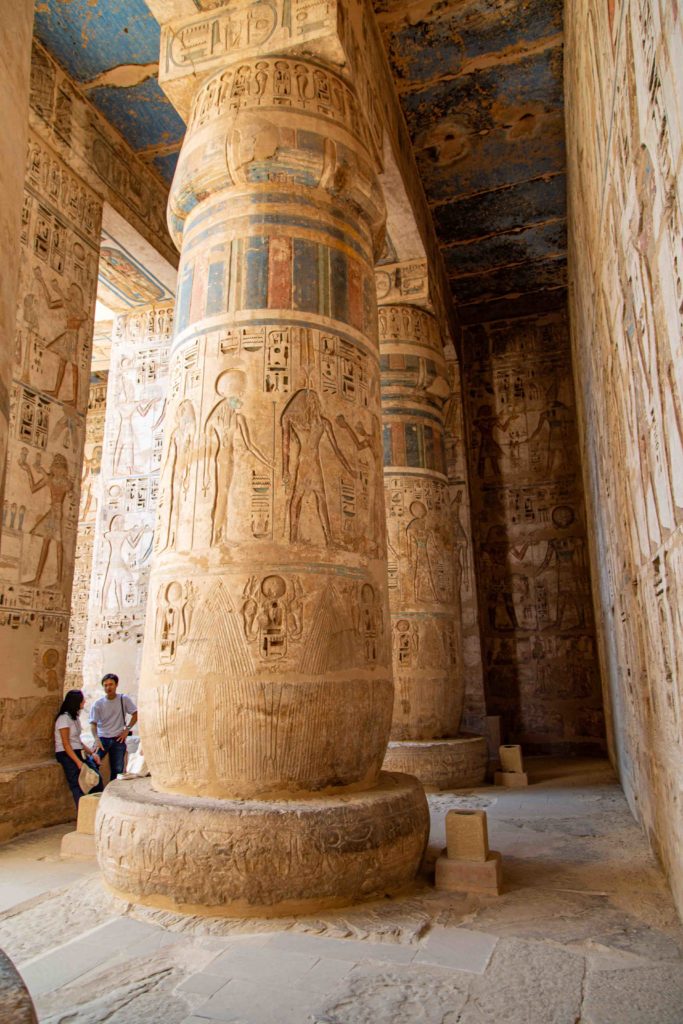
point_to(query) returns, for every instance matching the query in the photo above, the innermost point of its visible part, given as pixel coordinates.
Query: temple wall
(538, 639)
(15, 67)
(624, 81)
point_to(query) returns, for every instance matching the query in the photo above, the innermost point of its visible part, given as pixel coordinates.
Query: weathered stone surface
(87, 811)
(16, 1005)
(441, 764)
(33, 796)
(78, 845)
(538, 635)
(258, 857)
(467, 834)
(624, 84)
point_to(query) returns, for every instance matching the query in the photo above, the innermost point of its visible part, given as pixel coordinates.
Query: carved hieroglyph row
(423, 577)
(58, 278)
(268, 591)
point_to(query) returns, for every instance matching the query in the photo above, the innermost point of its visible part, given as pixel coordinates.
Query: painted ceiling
(480, 83)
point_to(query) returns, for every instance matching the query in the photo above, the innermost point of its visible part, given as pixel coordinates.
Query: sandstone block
(87, 809)
(467, 835)
(511, 757)
(511, 780)
(470, 875)
(78, 846)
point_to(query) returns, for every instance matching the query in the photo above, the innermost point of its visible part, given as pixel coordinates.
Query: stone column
(266, 689)
(131, 462)
(57, 286)
(15, 73)
(426, 625)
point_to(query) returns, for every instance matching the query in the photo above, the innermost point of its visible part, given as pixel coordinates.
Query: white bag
(87, 778)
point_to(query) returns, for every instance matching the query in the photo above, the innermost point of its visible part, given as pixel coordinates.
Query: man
(108, 723)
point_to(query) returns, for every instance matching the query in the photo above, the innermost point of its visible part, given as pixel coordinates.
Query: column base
(33, 796)
(260, 858)
(440, 764)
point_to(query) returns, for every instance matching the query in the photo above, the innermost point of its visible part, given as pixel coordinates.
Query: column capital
(196, 45)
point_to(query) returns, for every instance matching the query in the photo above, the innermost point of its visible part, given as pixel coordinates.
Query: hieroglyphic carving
(130, 469)
(534, 583)
(627, 324)
(80, 134)
(57, 285)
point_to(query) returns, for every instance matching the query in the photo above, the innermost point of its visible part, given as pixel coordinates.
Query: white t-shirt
(109, 714)
(67, 722)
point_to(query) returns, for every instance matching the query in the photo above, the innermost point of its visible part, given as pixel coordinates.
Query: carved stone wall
(89, 503)
(57, 285)
(536, 620)
(131, 461)
(625, 133)
(15, 58)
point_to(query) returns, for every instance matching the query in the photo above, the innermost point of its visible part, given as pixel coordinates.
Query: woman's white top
(66, 722)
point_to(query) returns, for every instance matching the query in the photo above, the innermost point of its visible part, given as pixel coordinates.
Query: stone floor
(584, 933)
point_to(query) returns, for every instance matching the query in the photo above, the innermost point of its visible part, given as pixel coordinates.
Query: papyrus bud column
(131, 464)
(266, 692)
(426, 629)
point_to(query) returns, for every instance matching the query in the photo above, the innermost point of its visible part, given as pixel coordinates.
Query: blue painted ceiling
(480, 83)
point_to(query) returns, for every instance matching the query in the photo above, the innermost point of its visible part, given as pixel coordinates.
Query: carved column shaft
(266, 681)
(426, 622)
(131, 461)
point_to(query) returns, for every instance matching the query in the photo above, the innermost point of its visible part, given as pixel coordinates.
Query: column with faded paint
(424, 578)
(266, 689)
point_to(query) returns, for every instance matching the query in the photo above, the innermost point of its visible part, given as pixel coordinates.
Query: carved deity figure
(303, 429)
(272, 615)
(486, 422)
(370, 442)
(559, 418)
(499, 580)
(50, 525)
(421, 545)
(66, 343)
(127, 406)
(567, 553)
(177, 470)
(119, 571)
(226, 428)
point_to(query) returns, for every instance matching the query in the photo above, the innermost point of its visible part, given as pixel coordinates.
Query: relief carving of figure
(225, 430)
(559, 419)
(303, 429)
(486, 422)
(177, 469)
(567, 552)
(271, 615)
(174, 616)
(66, 343)
(50, 525)
(119, 570)
(127, 405)
(371, 443)
(421, 547)
(499, 580)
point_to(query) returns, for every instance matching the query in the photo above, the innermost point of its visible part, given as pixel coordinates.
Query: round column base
(260, 858)
(455, 763)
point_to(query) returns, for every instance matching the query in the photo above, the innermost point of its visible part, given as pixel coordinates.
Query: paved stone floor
(585, 932)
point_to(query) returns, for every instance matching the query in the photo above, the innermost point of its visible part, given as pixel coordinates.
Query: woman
(69, 750)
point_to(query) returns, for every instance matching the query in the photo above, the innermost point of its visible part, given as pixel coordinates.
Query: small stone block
(87, 809)
(511, 780)
(78, 846)
(467, 835)
(511, 757)
(470, 875)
